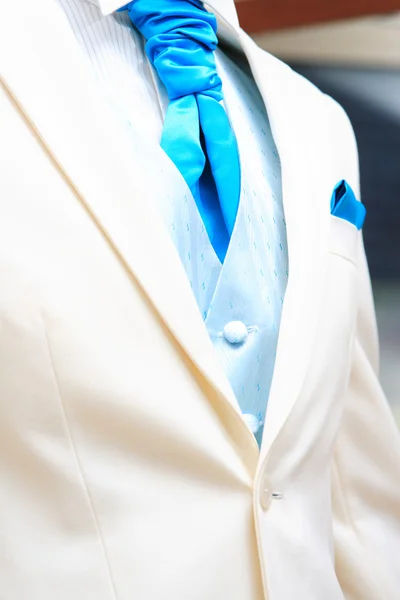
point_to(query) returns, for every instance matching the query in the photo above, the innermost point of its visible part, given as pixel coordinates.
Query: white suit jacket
(126, 469)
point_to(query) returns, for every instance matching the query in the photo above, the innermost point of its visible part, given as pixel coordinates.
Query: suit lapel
(41, 65)
(307, 183)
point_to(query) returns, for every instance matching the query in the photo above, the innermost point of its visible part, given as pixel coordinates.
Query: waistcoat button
(252, 422)
(235, 332)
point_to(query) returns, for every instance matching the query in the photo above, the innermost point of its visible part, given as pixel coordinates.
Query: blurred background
(351, 50)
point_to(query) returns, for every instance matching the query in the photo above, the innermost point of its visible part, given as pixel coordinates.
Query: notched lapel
(306, 187)
(41, 65)
(43, 69)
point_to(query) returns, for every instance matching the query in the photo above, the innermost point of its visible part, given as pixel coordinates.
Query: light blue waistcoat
(249, 287)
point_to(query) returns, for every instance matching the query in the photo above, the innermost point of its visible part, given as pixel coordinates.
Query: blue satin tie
(197, 136)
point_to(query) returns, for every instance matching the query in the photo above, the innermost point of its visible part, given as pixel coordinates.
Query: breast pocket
(340, 307)
(343, 239)
(329, 373)
(324, 390)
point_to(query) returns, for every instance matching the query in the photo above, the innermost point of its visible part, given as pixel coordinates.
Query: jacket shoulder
(320, 108)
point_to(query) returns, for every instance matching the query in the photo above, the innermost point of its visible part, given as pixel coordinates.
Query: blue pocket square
(345, 205)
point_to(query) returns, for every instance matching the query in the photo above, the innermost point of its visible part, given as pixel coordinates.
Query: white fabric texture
(250, 285)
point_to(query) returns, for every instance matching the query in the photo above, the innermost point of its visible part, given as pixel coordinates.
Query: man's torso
(248, 288)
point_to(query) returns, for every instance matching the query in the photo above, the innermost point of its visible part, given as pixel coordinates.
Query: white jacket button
(235, 332)
(265, 496)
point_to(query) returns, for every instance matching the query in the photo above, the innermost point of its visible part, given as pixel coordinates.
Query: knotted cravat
(180, 42)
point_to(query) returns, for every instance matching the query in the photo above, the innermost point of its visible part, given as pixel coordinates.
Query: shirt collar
(225, 8)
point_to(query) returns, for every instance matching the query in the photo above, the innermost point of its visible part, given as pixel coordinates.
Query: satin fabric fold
(345, 205)
(197, 136)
